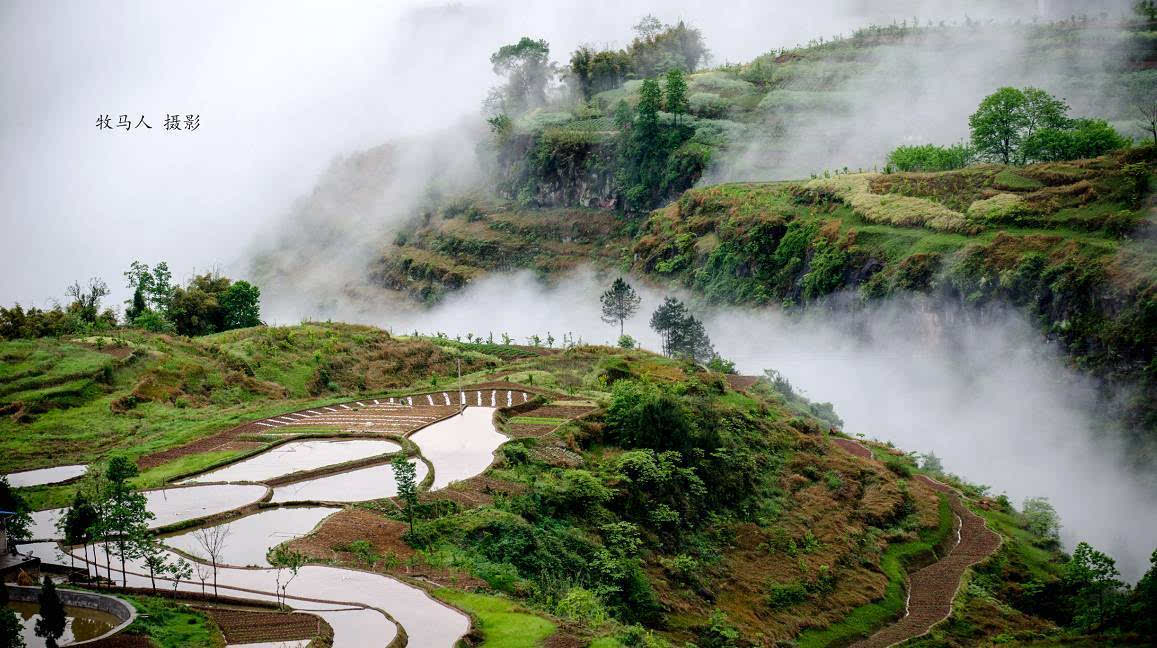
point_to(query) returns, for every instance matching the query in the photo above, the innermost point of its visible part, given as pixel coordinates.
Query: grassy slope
(465, 240)
(867, 618)
(808, 508)
(140, 393)
(172, 625)
(1067, 245)
(499, 621)
(843, 515)
(789, 92)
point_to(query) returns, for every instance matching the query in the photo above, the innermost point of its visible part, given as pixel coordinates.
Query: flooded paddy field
(296, 456)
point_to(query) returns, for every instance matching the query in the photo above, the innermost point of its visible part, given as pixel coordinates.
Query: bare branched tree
(1149, 118)
(212, 540)
(86, 299)
(203, 573)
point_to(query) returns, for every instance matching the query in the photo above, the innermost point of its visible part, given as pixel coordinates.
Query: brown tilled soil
(251, 626)
(122, 640)
(385, 535)
(476, 491)
(342, 528)
(559, 411)
(853, 447)
(367, 418)
(933, 588)
(524, 430)
(363, 416)
(741, 383)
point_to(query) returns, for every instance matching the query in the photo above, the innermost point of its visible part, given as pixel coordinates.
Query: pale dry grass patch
(892, 209)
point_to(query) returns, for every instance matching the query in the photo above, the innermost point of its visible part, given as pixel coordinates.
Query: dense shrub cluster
(930, 157)
(210, 303)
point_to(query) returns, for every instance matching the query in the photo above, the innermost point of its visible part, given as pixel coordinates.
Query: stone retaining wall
(112, 605)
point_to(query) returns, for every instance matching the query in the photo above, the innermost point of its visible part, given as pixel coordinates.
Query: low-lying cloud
(981, 390)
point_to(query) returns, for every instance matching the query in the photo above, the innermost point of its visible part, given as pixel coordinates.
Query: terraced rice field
(453, 430)
(296, 456)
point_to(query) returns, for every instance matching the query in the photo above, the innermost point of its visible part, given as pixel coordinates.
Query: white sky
(281, 88)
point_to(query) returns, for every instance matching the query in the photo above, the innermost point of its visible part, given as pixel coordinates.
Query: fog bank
(983, 391)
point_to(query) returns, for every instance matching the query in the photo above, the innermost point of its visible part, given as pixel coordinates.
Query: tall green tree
(75, 523)
(406, 478)
(676, 93)
(1094, 576)
(211, 303)
(242, 304)
(650, 103)
(684, 335)
(125, 516)
(619, 302)
(526, 65)
(667, 321)
(153, 554)
(998, 125)
(1006, 121)
(52, 619)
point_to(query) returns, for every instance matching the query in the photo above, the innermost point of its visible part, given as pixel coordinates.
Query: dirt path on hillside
(932, 589)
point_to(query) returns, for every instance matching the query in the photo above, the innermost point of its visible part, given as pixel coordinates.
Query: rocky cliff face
(547, 170)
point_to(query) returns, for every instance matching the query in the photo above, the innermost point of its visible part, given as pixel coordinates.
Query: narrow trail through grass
(931, 590)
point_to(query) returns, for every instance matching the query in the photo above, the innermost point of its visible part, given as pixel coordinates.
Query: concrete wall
(123, 612)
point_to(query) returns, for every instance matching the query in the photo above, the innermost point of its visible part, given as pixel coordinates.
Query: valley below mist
(981, 389)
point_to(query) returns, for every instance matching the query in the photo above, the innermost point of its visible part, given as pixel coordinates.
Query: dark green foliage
(52, 619)
(1142, 610)
(719, 632)
(592, 72)
(212, 303)
(658, 48)
(137, 305)
(83, 315)
(15, 526)
(526, 65)
(653, 163)
(11, 629)
(242, 304)
(86, 299)
(1084, 138)
(406, 477)
(643, 415)
(17, 323)
(783, 596)
(683, 334)
(1030, 125)
(1093, 576)
(930, 157)
(619, 303)
(78, 519)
